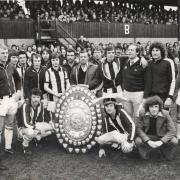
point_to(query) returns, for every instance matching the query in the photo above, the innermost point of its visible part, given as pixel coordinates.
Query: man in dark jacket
(70, 56)
(85, 72)
(33, 120)
(161, 75)
(155, 130)
(34, 76)
(97, 56)
(10, 86)
(118, 127)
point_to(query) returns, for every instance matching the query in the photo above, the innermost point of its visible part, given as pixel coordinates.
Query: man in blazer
(155, 130)
(84, 72)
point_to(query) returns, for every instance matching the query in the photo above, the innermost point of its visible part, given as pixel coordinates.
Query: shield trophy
(77, 120)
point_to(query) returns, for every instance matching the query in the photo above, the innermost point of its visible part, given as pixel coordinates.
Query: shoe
(9, 151)
(3, 168)
(27, 151)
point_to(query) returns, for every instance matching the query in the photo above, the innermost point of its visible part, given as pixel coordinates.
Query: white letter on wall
(126, 29)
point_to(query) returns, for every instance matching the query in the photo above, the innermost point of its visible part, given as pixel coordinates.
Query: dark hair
(69, 50)
(154, 100)
(13, 45)
(22, 52)
(97, 48)
(12, 53)
(109, 48)
(159, 46)
(55, 55)
(83, 51)
(36, 91)
(109, 101)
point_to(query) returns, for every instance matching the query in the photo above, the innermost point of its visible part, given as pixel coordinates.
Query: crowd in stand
(12, 11)
(91, 11)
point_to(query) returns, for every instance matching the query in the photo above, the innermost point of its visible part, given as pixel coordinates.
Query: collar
(59, 69)
(1, 65)
(158, 115)
(134, 60)
(71, 65)
(84, 68)
(36, 106)
(19, 65)
(156, 61)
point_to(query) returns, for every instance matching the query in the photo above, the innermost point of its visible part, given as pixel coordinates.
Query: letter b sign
(126, 29)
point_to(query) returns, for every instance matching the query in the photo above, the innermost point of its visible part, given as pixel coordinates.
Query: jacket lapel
(146, 123)
(86, 81)
(159, 123)
(76, 73)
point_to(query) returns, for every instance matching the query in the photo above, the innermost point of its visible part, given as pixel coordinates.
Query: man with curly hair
(155, 130)
(161, 75)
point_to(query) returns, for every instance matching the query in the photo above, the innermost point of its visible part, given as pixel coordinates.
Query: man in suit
(155, 130)
(84, 72)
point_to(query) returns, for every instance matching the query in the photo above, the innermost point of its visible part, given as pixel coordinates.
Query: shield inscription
(77, 120)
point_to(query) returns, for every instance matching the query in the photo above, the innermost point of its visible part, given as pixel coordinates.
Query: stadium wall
(23, 32)
(116, 30)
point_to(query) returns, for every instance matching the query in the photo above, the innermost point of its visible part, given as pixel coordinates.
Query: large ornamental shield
(78, 121)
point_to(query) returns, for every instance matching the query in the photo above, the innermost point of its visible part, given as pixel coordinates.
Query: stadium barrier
(26, 29)
(11, 29)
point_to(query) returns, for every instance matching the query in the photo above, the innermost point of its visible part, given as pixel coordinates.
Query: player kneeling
(156, 130)
(118, 128)
(33, 120)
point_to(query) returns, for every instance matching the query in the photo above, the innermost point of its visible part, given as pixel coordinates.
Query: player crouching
(118, 128)
(156, 130)
(33, 120)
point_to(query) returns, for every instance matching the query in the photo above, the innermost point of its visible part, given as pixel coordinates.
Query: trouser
(8, 120)
(112, 137)
(132, 106)
(42, 130)
(8, 109)
(166, 149)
